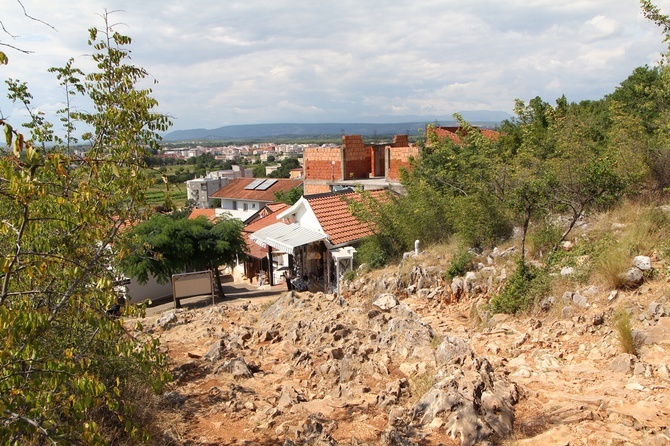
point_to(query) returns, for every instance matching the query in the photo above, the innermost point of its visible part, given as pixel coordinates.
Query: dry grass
(623, 329)
(440, 254)
(420, 385)
(610, 266)
(640, 228)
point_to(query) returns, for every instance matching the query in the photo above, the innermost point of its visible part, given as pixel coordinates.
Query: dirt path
(235, 293)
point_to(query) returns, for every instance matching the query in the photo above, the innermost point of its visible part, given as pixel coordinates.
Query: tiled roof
(268, 219)
(209, 213)
(276, 207)
(236, 190)
(332, 211)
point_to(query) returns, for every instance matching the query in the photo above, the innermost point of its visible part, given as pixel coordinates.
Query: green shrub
(479, 220)
(372, 252)
(461, 263)
(521, 290)
(542, 238)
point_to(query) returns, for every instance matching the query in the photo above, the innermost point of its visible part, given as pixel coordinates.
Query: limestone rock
(632, 278)
(168, 318)
(656, 310)
(475, 402)
(289, 397)
(623, 363)
(237, 367)
(567, 271)
(642, 262)
(386, 301)
(579, 300)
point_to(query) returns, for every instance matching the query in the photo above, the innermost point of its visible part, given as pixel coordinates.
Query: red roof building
(243, 198)
(318, 233)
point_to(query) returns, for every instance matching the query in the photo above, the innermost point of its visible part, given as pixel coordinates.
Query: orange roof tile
(277, 207)
(332, 211)
(235, 189)
(209, 213)
(268, 219)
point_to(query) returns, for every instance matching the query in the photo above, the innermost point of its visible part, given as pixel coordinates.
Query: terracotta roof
(235, 189)
(268, 219)
(276, 207)
(209, 213)
(332, 211)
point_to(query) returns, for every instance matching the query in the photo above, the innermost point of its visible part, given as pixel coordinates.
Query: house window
(246, 206)
(234, 205)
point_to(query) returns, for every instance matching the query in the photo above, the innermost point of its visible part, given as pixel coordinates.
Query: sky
(216, 63)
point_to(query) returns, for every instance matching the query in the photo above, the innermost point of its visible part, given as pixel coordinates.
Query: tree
(66, 368)
(259, 171)
(165, 245)
(289, 197)
(658, 153)
(284, 169)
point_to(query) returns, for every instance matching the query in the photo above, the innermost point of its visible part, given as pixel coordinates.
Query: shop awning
(285, 237)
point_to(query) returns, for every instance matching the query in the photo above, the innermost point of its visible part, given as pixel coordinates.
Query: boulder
(474, 402)
(216, 351)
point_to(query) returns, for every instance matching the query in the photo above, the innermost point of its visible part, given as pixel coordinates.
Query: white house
(243, 198)
(319, 233)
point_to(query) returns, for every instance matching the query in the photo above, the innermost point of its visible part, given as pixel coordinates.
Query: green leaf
(8, 134)
(4, 60)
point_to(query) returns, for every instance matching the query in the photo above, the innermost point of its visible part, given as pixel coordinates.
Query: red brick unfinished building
(373, 166)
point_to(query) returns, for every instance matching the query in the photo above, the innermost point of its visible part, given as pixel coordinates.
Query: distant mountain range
(306, 130)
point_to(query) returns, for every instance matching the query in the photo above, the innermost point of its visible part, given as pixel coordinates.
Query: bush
(460, 263)
(480, 221)
(542, 238)
(372, 252)
(350, 275)
(521, 290)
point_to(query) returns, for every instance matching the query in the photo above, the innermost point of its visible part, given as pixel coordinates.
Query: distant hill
(305, 131)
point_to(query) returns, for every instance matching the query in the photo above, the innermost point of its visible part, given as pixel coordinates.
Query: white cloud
(252, 61)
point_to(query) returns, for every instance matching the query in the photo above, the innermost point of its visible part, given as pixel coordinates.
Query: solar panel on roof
(254, 184)
(266, 184)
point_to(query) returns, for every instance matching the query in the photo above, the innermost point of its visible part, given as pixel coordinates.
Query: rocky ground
(405, 359)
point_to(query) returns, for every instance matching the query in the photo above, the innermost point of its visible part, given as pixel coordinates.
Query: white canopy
(286, 237)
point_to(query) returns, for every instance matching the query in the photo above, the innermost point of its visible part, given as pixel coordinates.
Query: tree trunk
(218, 281)
(526, 222)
